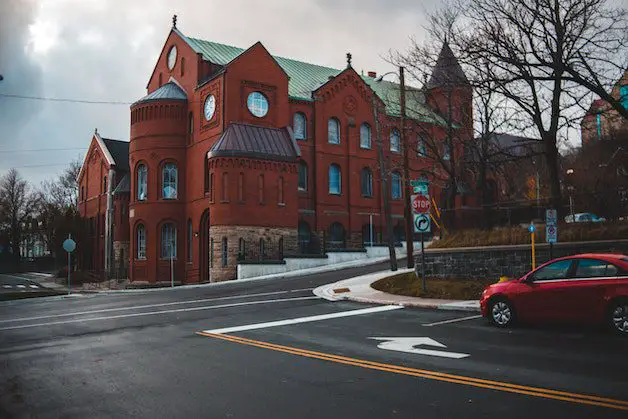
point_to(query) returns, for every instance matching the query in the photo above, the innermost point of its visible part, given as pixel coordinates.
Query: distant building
(237, 155)
(602, 121)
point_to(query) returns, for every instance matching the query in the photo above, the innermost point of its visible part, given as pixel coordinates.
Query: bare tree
(546, 56)
(16, 204)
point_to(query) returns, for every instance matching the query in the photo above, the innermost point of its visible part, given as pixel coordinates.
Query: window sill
(224, 201)
(168, 259)
(302, 190)
(365, 148)
(140, 259)
(367, 196)
(281, 204)
(335, 193)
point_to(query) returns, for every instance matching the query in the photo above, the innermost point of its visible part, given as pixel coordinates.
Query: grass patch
(572, 232)
(448, 289)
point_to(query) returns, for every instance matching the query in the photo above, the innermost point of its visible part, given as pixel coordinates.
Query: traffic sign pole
(69, 265)
(424, 282)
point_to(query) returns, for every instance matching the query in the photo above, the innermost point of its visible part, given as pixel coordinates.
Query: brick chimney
(372, 74)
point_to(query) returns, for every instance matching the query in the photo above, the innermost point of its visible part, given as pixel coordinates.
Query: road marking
(21, 286)
(303, 319)
(434, 375)
(459, 319)
(107, 310)
(153, 313)
(407, 344)
(33, 286)
(7, 286)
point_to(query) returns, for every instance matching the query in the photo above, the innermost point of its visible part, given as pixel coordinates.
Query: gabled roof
(447, 71)
(169, 91)
(119, 151)
(244, 140)
(124, 186)
(305, 78)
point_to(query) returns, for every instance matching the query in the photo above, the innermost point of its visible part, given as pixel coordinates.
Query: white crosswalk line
(7, 286)
(21, 286)
(34, 286)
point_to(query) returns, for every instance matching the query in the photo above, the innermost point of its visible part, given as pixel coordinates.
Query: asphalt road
(141, 355)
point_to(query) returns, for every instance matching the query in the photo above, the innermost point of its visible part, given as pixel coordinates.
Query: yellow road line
(434, 375)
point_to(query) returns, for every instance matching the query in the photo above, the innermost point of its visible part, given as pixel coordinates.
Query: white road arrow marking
(408, 344)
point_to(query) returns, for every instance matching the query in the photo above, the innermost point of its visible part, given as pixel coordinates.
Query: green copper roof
(306, 78)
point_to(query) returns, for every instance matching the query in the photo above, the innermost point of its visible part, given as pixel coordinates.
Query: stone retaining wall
(495, 261)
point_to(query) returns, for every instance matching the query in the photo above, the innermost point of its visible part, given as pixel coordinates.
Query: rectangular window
(211, 187)
(224, 252)
(598, 120)
(260, 187)
(225, 187)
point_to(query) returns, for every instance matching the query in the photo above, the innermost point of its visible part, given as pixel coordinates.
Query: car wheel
(501, 313)
(618, 317)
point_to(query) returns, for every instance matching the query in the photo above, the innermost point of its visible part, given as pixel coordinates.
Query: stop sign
(420, 204)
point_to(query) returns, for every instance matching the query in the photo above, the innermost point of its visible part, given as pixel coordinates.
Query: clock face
(172, 57)
(210, 107)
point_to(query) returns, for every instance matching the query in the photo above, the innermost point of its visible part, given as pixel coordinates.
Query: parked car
(587, 288)
(584, 217)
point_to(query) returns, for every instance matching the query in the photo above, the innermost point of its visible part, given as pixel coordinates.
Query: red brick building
(236, 154)
(602, 122)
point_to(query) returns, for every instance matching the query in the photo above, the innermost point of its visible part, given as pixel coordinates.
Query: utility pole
(407, 211)
(385, 190)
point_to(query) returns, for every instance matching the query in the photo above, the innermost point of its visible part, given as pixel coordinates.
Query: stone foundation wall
(120, 268)
(495, 261)
(251, 236)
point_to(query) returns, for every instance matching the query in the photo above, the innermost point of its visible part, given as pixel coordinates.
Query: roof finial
(95, 130)
(174, 22)
(348, 59)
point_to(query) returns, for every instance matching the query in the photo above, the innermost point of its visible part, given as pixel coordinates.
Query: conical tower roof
(447, 71)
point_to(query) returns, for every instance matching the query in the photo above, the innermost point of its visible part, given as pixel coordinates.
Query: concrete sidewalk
(359, 289)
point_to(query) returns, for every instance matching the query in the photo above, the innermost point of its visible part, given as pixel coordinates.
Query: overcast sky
(105, 50)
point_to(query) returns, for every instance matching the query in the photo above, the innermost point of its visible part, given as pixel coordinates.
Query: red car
(588, 288)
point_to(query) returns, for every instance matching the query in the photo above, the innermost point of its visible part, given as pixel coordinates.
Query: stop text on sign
(420, 204)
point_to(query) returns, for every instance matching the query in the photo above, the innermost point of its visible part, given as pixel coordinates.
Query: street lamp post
(570, 189)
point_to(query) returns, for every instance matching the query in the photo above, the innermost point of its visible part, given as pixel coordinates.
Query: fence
(263, 249)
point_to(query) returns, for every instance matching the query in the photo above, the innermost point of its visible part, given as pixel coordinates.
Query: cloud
(105, 50)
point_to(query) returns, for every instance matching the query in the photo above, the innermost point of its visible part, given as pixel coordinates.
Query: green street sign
(419, 187)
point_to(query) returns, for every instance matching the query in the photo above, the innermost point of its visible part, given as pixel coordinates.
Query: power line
(56, 99)
(42, 149)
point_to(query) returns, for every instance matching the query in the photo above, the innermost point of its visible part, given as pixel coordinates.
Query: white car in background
(584, 217)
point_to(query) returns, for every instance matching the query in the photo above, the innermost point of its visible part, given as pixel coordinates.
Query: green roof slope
(306, 78)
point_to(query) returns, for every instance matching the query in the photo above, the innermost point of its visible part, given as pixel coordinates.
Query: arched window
(420, 148)
(141, 242)
(224, 252)
(182, 66)
(191, 125)
(299, 126)
(333, 131)
(302, 176)
(336, 236)
(160, 79)
(280, 190)
(365, 135)
(304, 236)
(82, 193)
(335, 180)
(225, 187)
(190, 238)
(168, 241)
(142, 182)
(367, 182)
(169, 181)
(206, 183)
(395, 141)
(104, 184)
(396, 186)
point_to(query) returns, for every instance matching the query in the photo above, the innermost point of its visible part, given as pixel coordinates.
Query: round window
(172, 57)
(257, 104)
(210, 107)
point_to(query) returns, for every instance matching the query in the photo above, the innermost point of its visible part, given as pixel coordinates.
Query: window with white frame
(302, 176)
(396, 186)
(299, 126)
(141, 242)
(333, 131)
(335, 180)
(142, 182)
(367, 182)
(395, 141)
(365, 135)
(169, 181)
(257, 104)
(168, 241)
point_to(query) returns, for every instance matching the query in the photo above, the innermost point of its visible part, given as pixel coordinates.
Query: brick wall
(251, 236)
(512, 261)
